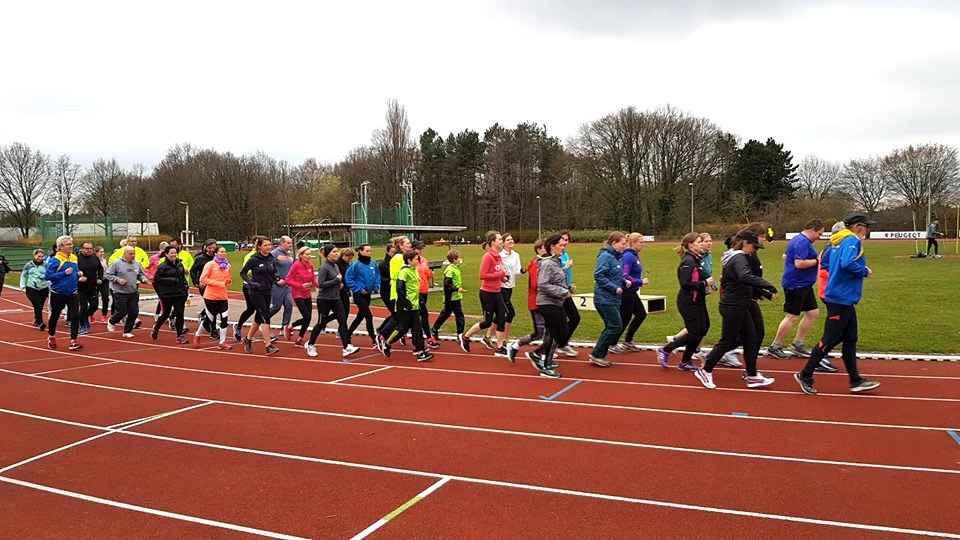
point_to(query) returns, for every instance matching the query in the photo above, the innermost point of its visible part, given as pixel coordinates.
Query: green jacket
(34, 276)
(408, 289)
(452, 282)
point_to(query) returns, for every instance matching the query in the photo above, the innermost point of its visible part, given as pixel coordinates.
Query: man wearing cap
(848, 268)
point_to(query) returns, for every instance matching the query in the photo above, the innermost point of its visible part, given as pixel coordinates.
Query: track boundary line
(152, 511)
(77, 367)
(354, 376)
(546, 489)
(505, 398)
(400, 509)
(98, 436)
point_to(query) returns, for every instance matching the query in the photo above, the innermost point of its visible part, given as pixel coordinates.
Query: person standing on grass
(407, 309)
(170, 282)
(513, 267)
(62, 273)
(330, 304)
(492, 277)
(607, 293)
(552, 291)
(259, 274)
(90, 279)
(452, 297)
(739, 328)
(363, 280)
(280, 296)
(426, 277)
(302, 280)
(125, 277)
(215, 280)
(206, 255)
(533, 273)
(848, 269)
(800, 302)
(691, 302)
(632, 311)
(33, 281)
(569, 306)
(932, 235)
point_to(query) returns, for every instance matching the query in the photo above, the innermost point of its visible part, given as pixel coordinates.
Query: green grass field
(909, 305)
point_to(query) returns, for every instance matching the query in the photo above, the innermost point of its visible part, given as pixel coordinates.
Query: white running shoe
(311, 350)
(349, 349)
(111, 327)
(128, 335)
(567, 351)
(705, 378)
(757, 381)
(730, 360)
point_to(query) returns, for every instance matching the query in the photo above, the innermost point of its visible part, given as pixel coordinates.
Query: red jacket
(299, 274)
(491, 271)
(426, 275)
(533, 270)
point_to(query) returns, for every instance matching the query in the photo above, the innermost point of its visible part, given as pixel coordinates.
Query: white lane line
(76, 367)
(99, 435)
(400, 509)
(152, 511)
(692, 387)
(509, 398)
(543, 489)
(351, 377)
(526, 434)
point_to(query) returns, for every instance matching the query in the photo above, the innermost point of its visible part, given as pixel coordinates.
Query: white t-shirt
(511, 263)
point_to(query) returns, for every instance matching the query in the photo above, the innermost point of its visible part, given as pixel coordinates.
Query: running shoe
(51, 342)
(424, 356)
(274, 338)
(137, 324)
(349, 349)
(42, 327)
(671, 338)
(699, 356)
(84, 330)
(464, 342)
(299, 342)
(224, 346)
(128, 335)
(435, 333)
(535, 360)
(618, 349)
(631, 346)
(663, 357)
(488, 343)
(311, 350)
(111, 327)
(806, 385)
(287, 332)
(385, 349)
(864, 386)
(599, 362)
(550, 372)
(502, 353)
(237, 336)
(74, 346)
(512, 349)
(247, 345)
(705, 378)
(778, 351)
(183, 339)
(403, 340)
(155, 335)
(687, 366)
(567, 351)
(730, 360)
(757, 381)
(171, 324)
(379, 342)
(433, 343)
(271, 350)
(800, 349)
(826, 366)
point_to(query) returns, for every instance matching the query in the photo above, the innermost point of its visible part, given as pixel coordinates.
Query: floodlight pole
(539, 220)
(691, 206)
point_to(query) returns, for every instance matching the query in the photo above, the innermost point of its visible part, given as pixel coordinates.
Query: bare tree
(864, 181)
(103, 191)
(817, 178)
(396, 151)
(66, 187)
(918, 172)
(24, 182)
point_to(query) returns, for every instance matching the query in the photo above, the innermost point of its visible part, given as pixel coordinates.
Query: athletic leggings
(171, 306)
(556, 331)
(696, 320)
(537, 333)
(88, 297)
(408, 321)
(305, 307)
(456, 308)
(632, 313)
(388, 323)
(738, 328)
(509, 312)
(329, 309)
(104, 297)
(424, 316)
(216, 310)
(37, 297)
(494, 311)
(573, 320)
(248, 311)
(57, 303)
(362, 300)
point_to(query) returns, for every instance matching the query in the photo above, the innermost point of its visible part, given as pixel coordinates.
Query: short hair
(361, 246)
(128, 249)
(814, 225)
(537, 245)
(209, 242)
(409, 256)
(167, 249)
(453, 255)
(40, 251)
(123, 242)
(347, 252)
(62, 240)
(286, 238)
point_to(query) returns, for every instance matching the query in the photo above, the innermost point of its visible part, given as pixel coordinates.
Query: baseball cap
(749, 237)
(855, 218)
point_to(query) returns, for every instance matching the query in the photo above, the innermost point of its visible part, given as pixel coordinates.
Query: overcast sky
(311, 79)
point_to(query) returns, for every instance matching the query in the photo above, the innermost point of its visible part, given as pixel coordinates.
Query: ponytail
(685, 242)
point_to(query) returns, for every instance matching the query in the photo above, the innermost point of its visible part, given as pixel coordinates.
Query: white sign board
(897, 235)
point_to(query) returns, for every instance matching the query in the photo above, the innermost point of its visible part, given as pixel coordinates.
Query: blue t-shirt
(799, 248)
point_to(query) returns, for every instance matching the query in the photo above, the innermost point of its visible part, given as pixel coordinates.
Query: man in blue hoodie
(848, 268)
(63, 275)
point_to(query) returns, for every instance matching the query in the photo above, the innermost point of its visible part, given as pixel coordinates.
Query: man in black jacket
(88, 284)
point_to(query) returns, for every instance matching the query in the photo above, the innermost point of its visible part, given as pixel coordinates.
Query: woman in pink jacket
(302, 280)
(492, 277)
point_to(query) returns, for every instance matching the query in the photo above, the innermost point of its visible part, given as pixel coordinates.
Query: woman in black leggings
(170, 282)
(691, 302)
(302, 281)
(329, 304)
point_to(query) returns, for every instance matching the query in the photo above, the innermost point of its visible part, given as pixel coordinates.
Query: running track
(128, 439)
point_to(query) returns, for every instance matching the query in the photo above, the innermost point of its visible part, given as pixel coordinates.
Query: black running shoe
(502, 353)
(464, 342)
(435, 333)
(535, 360)
(271, 350)
(424, 356)
(247, 345)
(805, 384)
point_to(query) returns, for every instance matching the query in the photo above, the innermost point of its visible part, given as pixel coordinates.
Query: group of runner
(275, 279)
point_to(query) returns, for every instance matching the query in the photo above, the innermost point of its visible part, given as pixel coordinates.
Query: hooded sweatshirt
(452, 282)
(607, 278)
(739, 281)
(408, 288)
(328, 282)
(363, 276)
(693, 283)
(552, 286)
(491, 272)
(34, 276)
(847, 269)
(533, 274)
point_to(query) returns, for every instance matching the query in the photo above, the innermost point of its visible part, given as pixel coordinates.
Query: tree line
(631, 170)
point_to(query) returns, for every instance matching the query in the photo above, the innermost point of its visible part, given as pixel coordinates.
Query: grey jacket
(329, 285)
(552, 288)
(130, 271)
